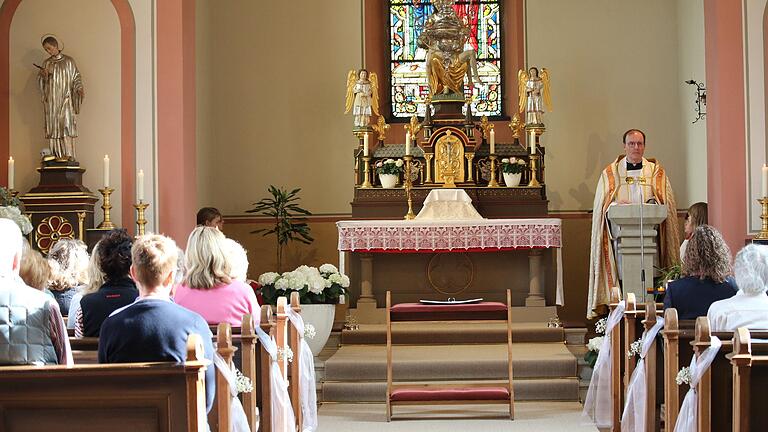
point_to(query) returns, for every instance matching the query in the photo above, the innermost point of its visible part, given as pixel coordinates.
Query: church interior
(432, 214)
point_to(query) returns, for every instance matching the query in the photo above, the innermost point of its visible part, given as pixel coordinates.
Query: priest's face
(634, 147)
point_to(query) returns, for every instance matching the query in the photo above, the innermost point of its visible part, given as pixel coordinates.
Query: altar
(461, 259)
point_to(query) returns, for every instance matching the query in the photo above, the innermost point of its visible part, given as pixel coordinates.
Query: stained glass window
(408, 85)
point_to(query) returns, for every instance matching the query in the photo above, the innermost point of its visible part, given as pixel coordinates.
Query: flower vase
(388, 180)
(321, 317)
(512, 179)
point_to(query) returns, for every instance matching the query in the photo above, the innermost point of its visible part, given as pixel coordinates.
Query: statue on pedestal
(61, 87)
(362, 96)
(533, 88)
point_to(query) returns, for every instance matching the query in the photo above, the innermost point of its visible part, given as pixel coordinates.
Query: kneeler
(282, 417)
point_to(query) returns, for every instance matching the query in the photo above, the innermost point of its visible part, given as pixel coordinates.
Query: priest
(630, 179)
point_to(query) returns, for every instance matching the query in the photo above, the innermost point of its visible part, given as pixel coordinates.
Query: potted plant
(289, 223)
(11, 208)
(389, 171)
(512, 169)
(319, 291)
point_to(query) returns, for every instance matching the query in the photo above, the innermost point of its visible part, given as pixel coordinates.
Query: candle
(533, 142)
(493, 141)
(106, 171)
(765, 181)
(408, 143)
(140, 186)
(365, 144)
(11, 166)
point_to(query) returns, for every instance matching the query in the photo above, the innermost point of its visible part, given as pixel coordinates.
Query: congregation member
(749, 307)
(238, 260)
(118, 289)
(210, 217)
(154, 328)
(40, 336)
(95, 279)
(35, 270)
(209, 288)
(706, 275)
(695, 217)
(69, 268)
(630, 179)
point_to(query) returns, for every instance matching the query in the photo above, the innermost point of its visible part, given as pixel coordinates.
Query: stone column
(535, 293)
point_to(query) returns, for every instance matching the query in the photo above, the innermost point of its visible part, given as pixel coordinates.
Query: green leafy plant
(8, 200)
(289, 223)
(390, 166)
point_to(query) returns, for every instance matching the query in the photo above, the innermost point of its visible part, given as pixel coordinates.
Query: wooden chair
(750, 379)
(115, 397)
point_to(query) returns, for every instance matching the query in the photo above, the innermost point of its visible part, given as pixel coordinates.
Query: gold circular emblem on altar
(450, 273)
(52, 229)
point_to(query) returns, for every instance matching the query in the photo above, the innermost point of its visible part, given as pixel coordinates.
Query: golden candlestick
(763, 234)
(140, 221)
(493, 183)
(366, 173)
(106, 206)
(534, 182)
(428, 160)
(408, 184)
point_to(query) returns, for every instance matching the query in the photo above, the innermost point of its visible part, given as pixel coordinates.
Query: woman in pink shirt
(208, 287)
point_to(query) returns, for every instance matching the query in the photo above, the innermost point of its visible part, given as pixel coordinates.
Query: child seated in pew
(153, 328)
(707, 275)
(749, 307)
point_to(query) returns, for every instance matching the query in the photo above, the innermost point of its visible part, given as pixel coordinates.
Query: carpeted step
(362, 363)
(552, 389)
(420, 333)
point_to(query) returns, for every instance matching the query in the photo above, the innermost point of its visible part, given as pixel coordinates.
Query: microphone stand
(642, 241)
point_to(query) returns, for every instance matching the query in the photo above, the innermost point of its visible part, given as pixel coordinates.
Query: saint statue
(62, 93)
(362, 96)
(533, 91)
(444, 36)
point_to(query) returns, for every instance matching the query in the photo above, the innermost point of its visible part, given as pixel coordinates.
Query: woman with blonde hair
(707, 275)
(35, 270)
(95, 280)
(209, 288)
(69, 265)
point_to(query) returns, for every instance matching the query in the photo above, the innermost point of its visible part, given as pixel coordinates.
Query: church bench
(617, 386)
(750, 379)
(678, 336)
(116, 397)
(634, 315)
(85, 350)
(448, 394)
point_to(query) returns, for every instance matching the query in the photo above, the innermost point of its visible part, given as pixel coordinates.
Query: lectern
(635, 244)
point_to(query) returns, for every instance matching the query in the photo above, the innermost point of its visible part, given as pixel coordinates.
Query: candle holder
(408, 184)
(763, 234)
(140, 221)
(106, 206)
(534, 181)
(493, 183)
(366, 173)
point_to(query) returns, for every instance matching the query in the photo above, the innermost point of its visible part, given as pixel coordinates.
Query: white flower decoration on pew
(595, 343)
(285, 353)
(635, 348)
(244, 384)
(600, 325)
(684, 376)
(309, 331)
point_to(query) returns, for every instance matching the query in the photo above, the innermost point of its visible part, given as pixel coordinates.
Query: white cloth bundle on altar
(283, 419)
(598, 404)
(308, 396)
(633, 418)
(448, 204)
(687, 419)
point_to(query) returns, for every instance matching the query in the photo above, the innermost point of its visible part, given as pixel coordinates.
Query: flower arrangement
(594, 344)
(684, 376)
(512, 165)
(309, 331)
(10, 208)
(315, 286)
(635, 348)
(285, 353)
(389, 166)
(244, 384)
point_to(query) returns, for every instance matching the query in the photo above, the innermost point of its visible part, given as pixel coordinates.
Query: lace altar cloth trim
(459, 235)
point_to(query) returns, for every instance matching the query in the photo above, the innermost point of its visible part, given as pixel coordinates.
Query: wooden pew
(678, 337)
(220, 414)
(264, 391)
(750, 379)
(114, 397)
(295, 365)
(617, 388)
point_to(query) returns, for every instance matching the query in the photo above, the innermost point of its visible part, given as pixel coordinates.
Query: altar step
(418, 333)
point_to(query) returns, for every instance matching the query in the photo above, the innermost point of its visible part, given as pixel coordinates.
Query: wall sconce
(701, 99)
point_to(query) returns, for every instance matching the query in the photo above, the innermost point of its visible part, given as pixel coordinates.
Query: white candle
(106, 171)
(533, 142)
(765, 181)
(365, 144)
(140, 186)
(408, 143)
(11, 173)
(493, 141)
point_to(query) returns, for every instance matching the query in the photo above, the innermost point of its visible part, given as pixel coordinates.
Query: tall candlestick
(493, 141)
(140, 186)
(533, 142)
(765, 181)
(407, 143)
(11, 173)
(365, 144)
(106, 171)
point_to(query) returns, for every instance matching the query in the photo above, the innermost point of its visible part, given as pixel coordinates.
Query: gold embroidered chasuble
(617, 185)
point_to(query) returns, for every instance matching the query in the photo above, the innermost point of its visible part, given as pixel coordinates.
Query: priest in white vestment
(630, 179)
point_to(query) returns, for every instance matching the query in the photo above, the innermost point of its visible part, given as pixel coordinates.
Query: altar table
(483, 235)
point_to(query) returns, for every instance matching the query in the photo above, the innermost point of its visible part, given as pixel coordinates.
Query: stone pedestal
(625, 224)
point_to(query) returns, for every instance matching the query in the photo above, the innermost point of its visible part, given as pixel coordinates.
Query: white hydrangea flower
(268, 278)
(14, 214)
(339, 279)
(344, 281)
(309, 331)
(328, 283)
(595, 343)
(283, 284)
(399, 162)
(505, 160)
(389, 161)
(521, 162)
(328, 268)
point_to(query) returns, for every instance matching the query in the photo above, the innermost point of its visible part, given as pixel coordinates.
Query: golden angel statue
(362, 96)
(534, 94)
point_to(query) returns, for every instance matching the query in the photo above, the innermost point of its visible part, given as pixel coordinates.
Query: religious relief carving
(450, 273)
(52, 229)
(449, 160)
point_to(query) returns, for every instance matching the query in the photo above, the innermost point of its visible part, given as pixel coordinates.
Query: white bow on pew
(687, 420)
(633, 418)
(308, 394)
(283, 419)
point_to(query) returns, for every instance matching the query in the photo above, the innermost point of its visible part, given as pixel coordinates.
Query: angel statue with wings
(362, 96)
(533, 89)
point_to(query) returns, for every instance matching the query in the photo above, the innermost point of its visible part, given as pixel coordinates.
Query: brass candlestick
(493, 183)
(763, 235)
(140, 221)
(534, 182)
(106, 206)
(366, 173)
(409, 187)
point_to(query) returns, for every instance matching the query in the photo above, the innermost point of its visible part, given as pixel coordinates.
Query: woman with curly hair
(69, 265)
(118, 289)
(707, 275)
